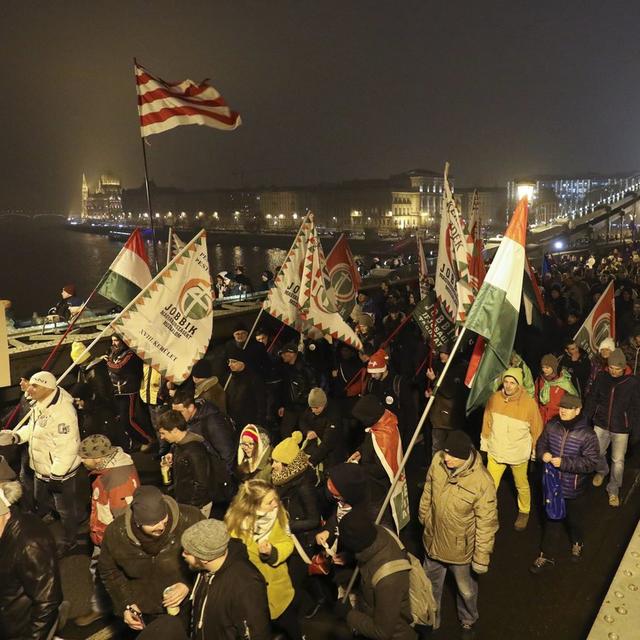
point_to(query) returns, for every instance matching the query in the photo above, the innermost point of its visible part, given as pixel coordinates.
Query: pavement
(560, 604)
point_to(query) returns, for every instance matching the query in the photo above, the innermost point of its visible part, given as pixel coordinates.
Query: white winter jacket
(53, 437)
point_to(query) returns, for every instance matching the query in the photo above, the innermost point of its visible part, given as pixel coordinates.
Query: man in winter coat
(298, 378)
(511, 426)
(576, 361)
(208, 386)
(246, 395)
(115, 481)
(631, 350)
(570, 445)
(229, 598)
(551, 385)
(30, 584)
(321, 426)
(141, 558)
(189, 460)
(458, 509)
(53, 437)
(613, 406)
(383, 607)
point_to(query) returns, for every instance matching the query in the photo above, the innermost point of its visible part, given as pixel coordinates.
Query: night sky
(328, 90)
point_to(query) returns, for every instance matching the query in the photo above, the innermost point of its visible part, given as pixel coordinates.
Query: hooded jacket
(614, 403)
(132, 576)
(232, 603)
(258, 467)
(576, 444)
(459, 511)
(328, 448)
(53, 436)
(192, 473)
(30, 585)
(210, 423)
(210, 389)
(111, 492)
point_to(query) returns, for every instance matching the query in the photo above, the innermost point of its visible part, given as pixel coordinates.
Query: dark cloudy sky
(327, 89)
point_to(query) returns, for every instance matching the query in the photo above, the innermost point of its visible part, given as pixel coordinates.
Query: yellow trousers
(519, 471)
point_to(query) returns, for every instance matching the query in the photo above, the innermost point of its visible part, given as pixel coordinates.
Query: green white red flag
(494, 314)
(600, 323)
(129, 273)
(316, 307)
(169, 325)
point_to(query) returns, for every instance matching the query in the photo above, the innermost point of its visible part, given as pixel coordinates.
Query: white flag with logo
(169, 325)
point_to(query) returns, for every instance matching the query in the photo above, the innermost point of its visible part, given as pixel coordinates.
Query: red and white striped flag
(165, 105)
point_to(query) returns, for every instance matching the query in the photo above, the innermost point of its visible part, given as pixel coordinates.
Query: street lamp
(525, 189)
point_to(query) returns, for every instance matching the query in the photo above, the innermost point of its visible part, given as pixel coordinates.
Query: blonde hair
(243, 510)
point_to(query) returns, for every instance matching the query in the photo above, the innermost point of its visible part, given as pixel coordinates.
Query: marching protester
(254, 455)
(551, 385)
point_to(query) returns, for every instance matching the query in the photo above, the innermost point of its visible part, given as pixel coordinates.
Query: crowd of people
(276, 458)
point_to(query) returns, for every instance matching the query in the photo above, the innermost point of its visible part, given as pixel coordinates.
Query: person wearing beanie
(517, 361)
(379, 453)
(295, 481)
(207, 386)
(30, 582)
(383, 608)
(577, 362)
(458, 510)
(322, 427)
(229, 599)
(254, 455)
(69, 304)
(245, 393)
(53, 438)
(511, 426)
(394, 391)
(141, 556)
(115, 480)
(569, 444)
(254, 355)
(613, 407)
(551, 385)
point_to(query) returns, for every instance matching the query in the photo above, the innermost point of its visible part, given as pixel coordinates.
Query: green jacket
(459, 512)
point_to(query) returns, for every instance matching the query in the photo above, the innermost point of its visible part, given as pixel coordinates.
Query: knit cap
(202, 369)
(317, 398)
(617, 359)
(96, 446)
(148, 505)
(368, 410)
(70, 289)
(607, 343)
(350, 481)
(357, 530)
(515, 373)
(206, 539)
(458, 444)
(377, 362)
(549, 360)
(365, 320)
(78, 354)
(235, 353)
(44, 379)
(288, 449)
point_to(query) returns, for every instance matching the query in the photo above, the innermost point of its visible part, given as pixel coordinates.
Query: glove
(479, 568)
(7, 437)
(56, 485)
(341, 609)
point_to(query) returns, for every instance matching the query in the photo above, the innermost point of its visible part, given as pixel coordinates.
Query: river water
(39, 256)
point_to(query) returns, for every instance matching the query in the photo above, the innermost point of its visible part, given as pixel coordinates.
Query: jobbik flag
(344, 276)
(435, 326)
(174, 245)
(316, 306)
(129, 273)
(494, 314)
(169, 325)
(164, 105)
(600, 323)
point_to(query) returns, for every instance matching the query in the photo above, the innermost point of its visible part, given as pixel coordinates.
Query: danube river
(39, 256)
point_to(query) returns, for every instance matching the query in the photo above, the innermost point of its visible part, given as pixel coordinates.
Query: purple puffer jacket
(578, 448)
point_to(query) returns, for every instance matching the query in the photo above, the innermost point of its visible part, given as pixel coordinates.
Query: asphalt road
(513, 603)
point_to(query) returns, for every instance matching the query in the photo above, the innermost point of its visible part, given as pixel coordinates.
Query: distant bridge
(32, 216)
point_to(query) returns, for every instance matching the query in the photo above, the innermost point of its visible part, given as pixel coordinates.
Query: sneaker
(521, 521)
(576, 551)
(598, 479)
(88, 618)
(541, 563)
(614, 501)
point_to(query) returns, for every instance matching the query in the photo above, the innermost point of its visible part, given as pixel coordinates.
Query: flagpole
(410, 446)
(146, 182)
(169, 241)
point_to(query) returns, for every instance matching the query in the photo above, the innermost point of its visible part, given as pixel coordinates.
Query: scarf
(291, 471)
(264, 525)
(563, 381)
(152, 545)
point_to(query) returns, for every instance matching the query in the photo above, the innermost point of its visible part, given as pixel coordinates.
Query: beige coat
(459, 512)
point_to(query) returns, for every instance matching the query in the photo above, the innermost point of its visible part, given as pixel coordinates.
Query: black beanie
(235, 353)
(351, 482)
(357, 530)
(148, 505)
(368, 410)
(458, 444)
(202, 369)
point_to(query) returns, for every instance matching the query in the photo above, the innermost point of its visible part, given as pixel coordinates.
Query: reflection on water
(38, 257)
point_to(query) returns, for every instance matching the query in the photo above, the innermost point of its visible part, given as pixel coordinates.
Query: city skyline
(327, 91)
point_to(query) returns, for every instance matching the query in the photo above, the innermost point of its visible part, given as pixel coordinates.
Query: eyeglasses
(247, 445)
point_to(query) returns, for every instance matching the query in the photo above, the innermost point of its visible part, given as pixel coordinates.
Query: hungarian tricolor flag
(494, 314)
(600, 323)
(129, 273)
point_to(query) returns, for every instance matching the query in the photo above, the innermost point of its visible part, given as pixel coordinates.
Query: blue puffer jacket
(576, 443)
